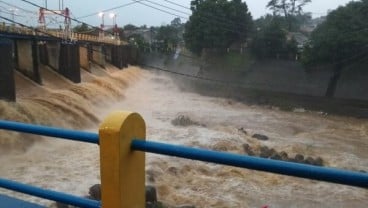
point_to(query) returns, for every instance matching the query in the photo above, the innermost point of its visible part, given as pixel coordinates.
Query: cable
(227, 25)
(176, 15)
(106, 10)
(5, 11)
(168, 7)
(81, 22)
(188, 75)
(164, 11)
(176, 4)
(40, 31)
(35, 29)
(208, 15)
(17, 7)
(224, 27)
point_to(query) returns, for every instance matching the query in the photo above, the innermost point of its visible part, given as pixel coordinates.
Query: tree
(176, 22)
(167, 37)
(216, 24)
(340, 41)
(270, 40)
(81, 28)
(130, 27)
(288, 8)
(138, 40)
(343, 35)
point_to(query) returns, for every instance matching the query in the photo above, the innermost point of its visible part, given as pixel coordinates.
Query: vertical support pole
(122, 170)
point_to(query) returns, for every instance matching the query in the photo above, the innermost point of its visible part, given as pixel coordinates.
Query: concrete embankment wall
(271, 75)
(353, 83)
(272, 81)
(289, 77)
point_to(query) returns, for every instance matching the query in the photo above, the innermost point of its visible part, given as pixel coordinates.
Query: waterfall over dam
(178, 117)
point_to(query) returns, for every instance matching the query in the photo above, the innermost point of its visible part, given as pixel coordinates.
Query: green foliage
(287, 7)
(176, 22)
(266, 20)
(82, 28)
(130, 27)
(290, 9)
(342, 38)
(138, 41)
(270, 41)
(216, 24)
(167, 37)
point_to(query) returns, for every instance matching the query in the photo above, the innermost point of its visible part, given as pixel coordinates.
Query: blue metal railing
(49, 194)
(274, 166)
(80, 136)
(56, 133)
(280, 167)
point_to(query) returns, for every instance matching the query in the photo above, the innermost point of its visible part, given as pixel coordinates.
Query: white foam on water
(73, 167)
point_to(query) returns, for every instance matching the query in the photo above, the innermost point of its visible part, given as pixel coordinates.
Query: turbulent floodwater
(73, 167)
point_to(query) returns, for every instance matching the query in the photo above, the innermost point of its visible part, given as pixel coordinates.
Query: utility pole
(13, 15)
(61, 4)
(102, 26)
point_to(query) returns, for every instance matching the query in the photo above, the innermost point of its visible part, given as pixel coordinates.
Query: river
(73, 167)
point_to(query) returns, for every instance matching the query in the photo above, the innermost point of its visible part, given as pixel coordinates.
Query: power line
(39, 31)
(10, 13)
(17, 7)
(176, 10)
(187, 75)
(360, 57)
(176, 4)
(164, 11)
(225, 26)
(35, 29)
(208, 15)
(113, 8)
(76, 20)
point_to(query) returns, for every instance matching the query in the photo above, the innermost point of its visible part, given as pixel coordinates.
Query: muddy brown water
(73, 167)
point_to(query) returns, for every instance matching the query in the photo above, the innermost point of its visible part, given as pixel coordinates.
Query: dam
(340, 141)
(78, 89)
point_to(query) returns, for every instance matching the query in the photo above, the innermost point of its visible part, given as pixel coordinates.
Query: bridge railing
(12, 28)
(122, 145)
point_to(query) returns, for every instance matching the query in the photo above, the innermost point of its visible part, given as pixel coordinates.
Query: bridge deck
(11, 202)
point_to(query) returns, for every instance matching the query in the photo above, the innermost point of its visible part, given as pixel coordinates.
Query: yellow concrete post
(122, 170)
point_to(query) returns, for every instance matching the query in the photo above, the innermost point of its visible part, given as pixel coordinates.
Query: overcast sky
(140, 14)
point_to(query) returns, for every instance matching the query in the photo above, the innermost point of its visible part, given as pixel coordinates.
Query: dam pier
(26, 51)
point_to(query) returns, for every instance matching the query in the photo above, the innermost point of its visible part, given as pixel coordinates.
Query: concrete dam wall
(30, 56)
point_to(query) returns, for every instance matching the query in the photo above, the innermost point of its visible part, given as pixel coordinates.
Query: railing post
(122, 170)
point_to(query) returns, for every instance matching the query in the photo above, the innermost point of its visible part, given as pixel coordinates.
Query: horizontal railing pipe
(274, 166)
(81, 136)
(49, 194)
